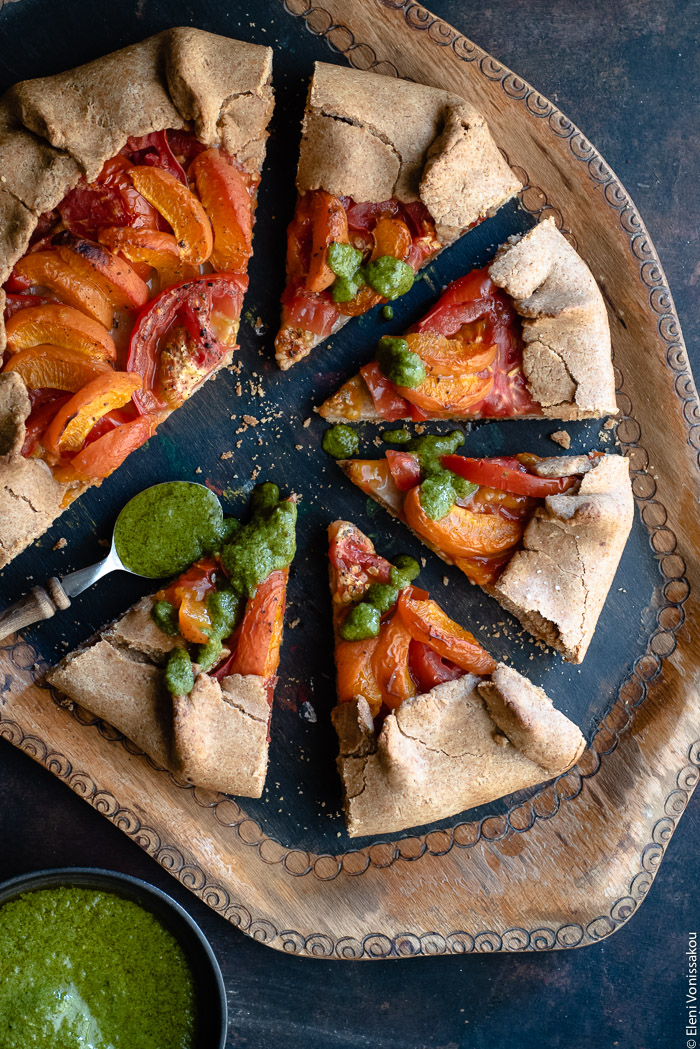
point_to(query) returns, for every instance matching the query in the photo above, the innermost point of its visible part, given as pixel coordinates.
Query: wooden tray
(556, 867)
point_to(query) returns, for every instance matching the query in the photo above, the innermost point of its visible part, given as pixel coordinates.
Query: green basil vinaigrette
(83, 969)
(439, 487)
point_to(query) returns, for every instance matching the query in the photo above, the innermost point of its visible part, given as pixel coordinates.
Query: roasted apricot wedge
(224, 191)
(462, 533)
(46, 269)
(73, 422)
(427, 622)
(62, 326)
(115, 278)
(448, 394)
(55, 368)
(180, 208)
(390, 663)
(152, 248)
(450, 356)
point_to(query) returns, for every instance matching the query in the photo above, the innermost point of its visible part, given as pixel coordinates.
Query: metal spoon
(42, 602)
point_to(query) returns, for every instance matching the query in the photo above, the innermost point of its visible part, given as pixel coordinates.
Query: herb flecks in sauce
(164, 529)
(399, 363)
(363, 620)
(340, 441)
(83, 969)
(388, 276)
(179, 675)
(439, 487)
(265, 544)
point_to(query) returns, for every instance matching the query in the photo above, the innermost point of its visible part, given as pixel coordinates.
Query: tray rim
(612, 725)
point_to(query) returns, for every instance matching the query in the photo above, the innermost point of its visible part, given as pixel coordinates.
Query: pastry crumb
(609, 424)
(307, 422)
(561, 437)
(294, 624)
(198, 469)
(250, 420)
(299, 447)
(445, 581)
(226, 455)
(60, 543)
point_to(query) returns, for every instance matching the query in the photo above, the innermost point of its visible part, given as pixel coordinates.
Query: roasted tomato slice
(462, 533)
(15, 303)
(115, 278)
(427, 622)
(73, 422)
(354, 562)
(308, 311)
(405, 469)
(224, 190)
(47, 269)
(110, 200)
(55, 368)
(260, 634)
(194, 301)
(388, 402)
(180, 208)
(153, 150)
(60, 326)
(188, 594)
(390, 663)
(428, 669)
(45, 403)
(508, 475)
(151, 248)
(374, 478)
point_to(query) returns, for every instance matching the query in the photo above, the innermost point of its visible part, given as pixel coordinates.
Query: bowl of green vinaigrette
(95, 959)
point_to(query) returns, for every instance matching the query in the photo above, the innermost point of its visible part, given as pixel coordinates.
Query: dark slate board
(301, 803)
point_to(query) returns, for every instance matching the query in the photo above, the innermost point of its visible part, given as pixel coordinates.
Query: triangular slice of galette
(390, 172)
(127, 193)
(525, 336)
(542, 536)
(428, 723)
(189, 673)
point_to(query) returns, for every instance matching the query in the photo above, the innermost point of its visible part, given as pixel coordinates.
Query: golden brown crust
(558, 582)
(465, 743)
(55, 129)
(371, 137)
(215, 737)
(567, 356)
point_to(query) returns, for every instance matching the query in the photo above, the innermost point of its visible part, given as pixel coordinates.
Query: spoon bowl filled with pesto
(158, 533)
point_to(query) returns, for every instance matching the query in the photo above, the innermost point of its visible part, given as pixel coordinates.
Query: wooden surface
(454, 1021)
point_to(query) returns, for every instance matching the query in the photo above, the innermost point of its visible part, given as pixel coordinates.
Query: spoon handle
(41, 602)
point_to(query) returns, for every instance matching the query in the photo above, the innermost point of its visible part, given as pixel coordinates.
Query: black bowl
(210, 994)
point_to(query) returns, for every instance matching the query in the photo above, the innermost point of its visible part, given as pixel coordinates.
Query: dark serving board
(556, 866)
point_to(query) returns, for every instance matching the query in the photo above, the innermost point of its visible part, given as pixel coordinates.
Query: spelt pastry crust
(372, 138)
(56, 129)
(567, 358)
(465, 743)
(215, 737)
(557, 584)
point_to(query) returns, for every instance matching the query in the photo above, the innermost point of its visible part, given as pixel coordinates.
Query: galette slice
(525, 336)
(390, 172)
(189, 673)
(428, 723)
(542, 536)
(128, 190)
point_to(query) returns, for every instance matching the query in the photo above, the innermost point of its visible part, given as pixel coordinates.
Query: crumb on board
(226, 455)
(250, 420)
(60, 543)
(445, 581)
(307, 422)
(299, 447)
(423, 562)
(294, 624)
(561, 437)
(198, 469)
(609, 424)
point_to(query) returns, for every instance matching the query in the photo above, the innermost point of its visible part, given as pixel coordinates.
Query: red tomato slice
(154, 150)
(390, 405)
(405, 469)
(45, 405)
(355, 551)
(308, 310)
(428, 669)
(15, 303)
(260, 634)
(507, 475)
(194, 301)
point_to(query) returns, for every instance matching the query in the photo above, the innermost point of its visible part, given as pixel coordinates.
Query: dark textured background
(627, 75)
